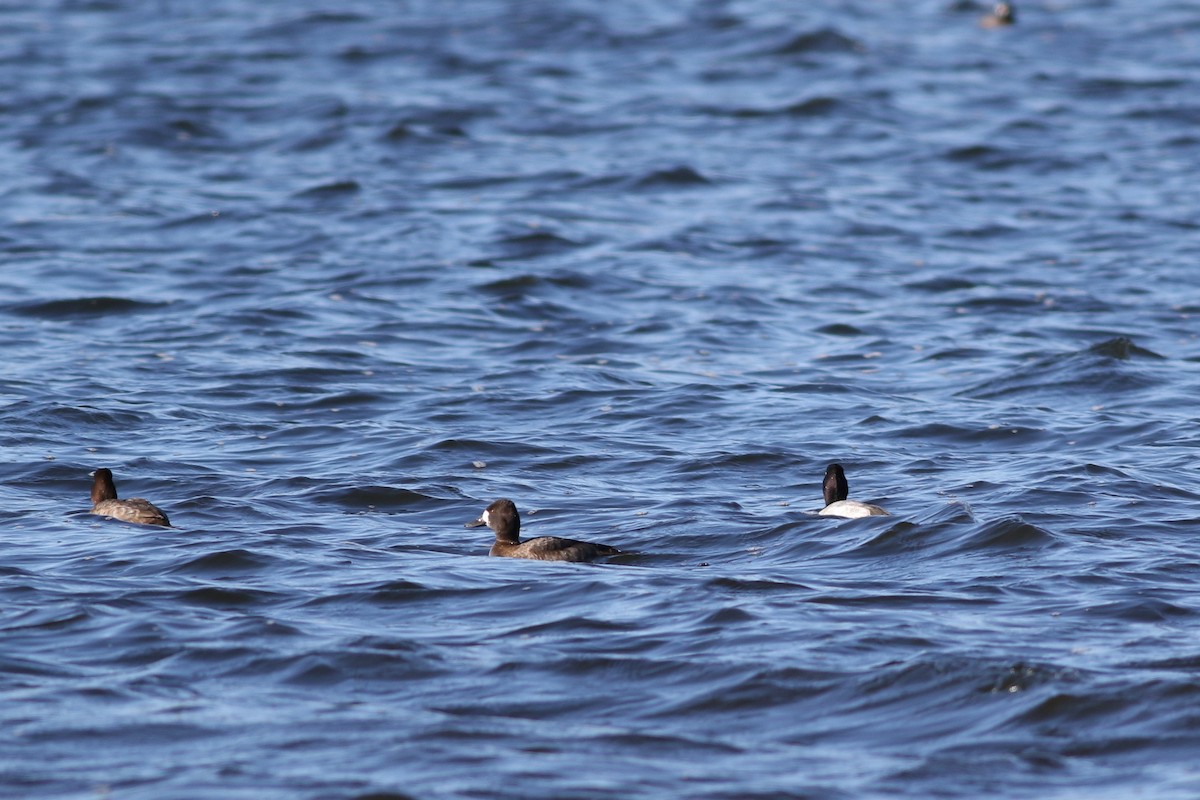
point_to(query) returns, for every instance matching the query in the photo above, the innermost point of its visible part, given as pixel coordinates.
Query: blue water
(322, 281)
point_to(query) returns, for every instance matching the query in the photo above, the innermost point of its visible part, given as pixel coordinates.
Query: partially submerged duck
(1001, 14)
(135, 509)
(502, 517)
(836, 505)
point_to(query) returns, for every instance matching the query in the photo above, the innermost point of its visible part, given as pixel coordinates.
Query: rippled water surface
(322, 280)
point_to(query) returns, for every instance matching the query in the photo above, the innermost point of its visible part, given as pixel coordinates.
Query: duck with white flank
(836, 505)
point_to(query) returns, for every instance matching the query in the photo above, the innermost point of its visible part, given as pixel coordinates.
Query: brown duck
(502, 517)
(135, 509)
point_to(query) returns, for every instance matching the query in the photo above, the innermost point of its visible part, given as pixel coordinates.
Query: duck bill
(475, 524)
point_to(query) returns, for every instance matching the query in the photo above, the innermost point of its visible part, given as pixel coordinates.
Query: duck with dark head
(836, 490)
(502, 517)
(134, 509)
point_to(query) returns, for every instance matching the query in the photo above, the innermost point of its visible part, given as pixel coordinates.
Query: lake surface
(323, 280)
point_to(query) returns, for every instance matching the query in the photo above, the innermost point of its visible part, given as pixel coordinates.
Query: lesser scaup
(502, 517)
(836, 505)
(135, 509)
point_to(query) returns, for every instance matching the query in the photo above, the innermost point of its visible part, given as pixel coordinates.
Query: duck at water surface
(836, 505)
(135, 509)
(1001, 14)
(502, 517)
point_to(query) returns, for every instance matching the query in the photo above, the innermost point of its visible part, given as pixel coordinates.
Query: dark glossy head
(502, 517)
(103, 487)
(835, 486)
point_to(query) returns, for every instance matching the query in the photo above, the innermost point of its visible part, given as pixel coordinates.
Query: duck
(836, 505)
(135, 509)
(502, 517)
(1001, 14)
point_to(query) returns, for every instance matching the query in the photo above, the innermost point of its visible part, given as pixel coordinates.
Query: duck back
(135, 509)
(553, 548)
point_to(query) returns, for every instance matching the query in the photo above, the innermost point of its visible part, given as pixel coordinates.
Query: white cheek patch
(485, 517)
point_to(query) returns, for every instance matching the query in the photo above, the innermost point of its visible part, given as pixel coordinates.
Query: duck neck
(835, 488)
(103, 489)
(508, 536)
